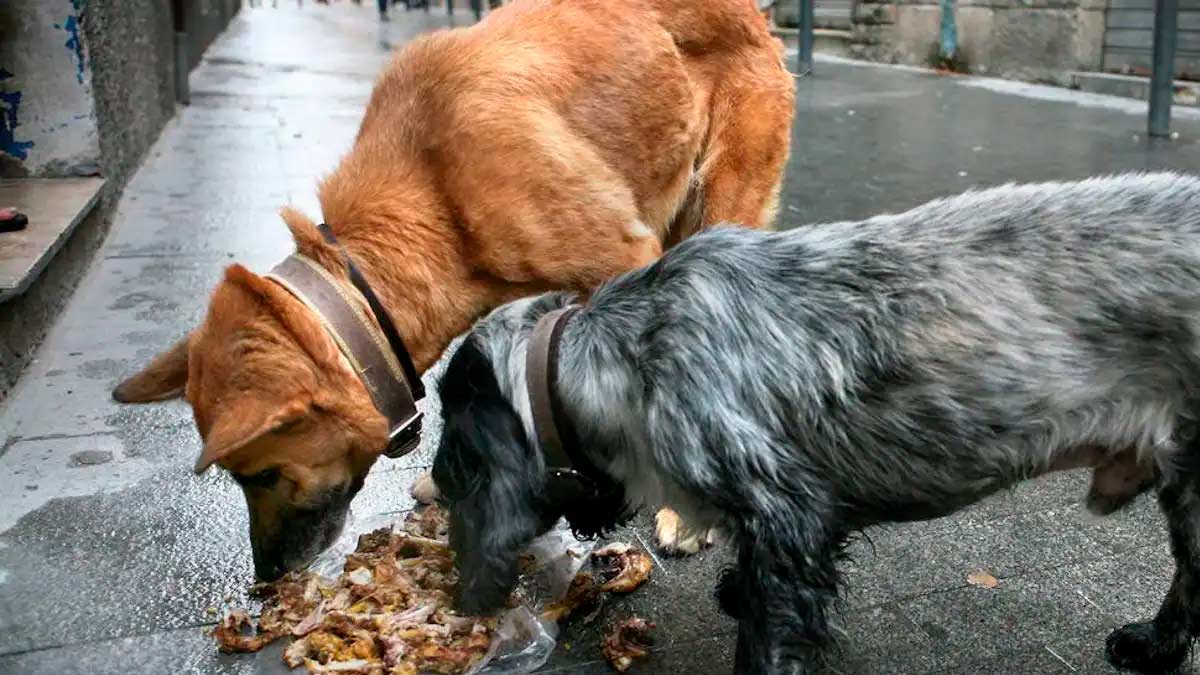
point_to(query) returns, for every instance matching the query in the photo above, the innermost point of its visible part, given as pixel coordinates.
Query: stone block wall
(131, 54)
(1034, 40)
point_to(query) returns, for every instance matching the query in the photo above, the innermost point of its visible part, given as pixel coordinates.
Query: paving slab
(113, 556)
(183, 651)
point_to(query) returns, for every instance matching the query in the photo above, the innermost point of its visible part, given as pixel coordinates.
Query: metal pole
(1162, 80)
(804, 58)
(948, 48)
(183, 92)
(183, 65)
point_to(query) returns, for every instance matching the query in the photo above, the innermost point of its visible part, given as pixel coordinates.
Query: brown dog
(552, 146)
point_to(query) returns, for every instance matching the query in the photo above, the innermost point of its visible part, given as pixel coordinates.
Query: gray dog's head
(488, 468)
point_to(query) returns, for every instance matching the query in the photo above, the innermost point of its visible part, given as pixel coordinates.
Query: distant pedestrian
(383, 10)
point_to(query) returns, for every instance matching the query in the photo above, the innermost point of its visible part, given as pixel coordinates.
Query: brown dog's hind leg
(738, 182)
(740, 174)
(545, 211)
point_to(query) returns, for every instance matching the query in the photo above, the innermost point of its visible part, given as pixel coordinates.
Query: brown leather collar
(565, 464)
(375, 352)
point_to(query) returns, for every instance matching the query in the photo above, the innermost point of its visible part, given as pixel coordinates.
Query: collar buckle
(404, 437)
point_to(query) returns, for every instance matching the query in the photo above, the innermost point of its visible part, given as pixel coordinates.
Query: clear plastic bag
(523, 641)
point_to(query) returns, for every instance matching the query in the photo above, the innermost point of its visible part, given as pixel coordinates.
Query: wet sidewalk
(114, 558)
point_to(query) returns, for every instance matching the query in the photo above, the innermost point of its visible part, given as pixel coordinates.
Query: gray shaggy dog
(792, 388)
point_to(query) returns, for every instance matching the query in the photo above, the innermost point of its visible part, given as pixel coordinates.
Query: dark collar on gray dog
(568, 469)
(374, 348)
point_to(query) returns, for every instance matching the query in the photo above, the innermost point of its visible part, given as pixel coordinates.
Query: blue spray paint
(10, 104)
(74, 43)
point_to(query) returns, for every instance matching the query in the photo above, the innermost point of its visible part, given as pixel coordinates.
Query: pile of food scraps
(389, 611)
(617, 568)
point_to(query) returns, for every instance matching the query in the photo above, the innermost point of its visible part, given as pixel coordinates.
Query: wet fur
(797, 387)
(551, 146)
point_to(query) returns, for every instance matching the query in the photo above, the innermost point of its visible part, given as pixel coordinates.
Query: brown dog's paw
(424, 490)
(676, 538)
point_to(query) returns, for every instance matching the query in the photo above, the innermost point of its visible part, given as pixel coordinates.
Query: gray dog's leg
(781, 591)
(1161, 645)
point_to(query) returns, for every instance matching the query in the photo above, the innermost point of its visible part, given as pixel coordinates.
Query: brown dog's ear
(302, 325)
(308, 238)
(243, 423)
(165, 378)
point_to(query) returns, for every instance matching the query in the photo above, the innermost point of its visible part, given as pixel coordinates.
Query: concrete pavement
(114, 558)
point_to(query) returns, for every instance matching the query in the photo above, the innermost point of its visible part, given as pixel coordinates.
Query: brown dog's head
(277, 405)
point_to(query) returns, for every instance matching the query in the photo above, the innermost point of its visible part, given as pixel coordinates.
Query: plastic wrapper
(523, 641)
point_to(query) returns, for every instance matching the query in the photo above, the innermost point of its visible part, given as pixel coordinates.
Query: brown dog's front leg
(424, 490)
(675, 538)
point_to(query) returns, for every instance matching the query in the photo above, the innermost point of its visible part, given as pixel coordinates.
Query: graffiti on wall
(10, 108)
(46, 116)
(74, 43)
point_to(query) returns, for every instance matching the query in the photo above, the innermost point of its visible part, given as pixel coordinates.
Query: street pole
(1162, 79)
(183, 64)
(948, 44)
(804, 58)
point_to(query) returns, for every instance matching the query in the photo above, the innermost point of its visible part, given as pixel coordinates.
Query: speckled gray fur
(794, 387)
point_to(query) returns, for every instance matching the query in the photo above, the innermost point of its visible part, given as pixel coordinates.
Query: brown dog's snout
(275, 556)
(286, 537)
(268, 553)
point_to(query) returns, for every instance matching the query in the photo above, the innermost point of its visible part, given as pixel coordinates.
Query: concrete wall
(1129, 39)
(1036, 40)
(128, 90)
(47, 120)
(131, 55)
(86, 85)
(203, 21)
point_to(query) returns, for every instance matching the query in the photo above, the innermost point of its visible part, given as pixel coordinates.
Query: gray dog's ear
(548, 302)
(486, 471)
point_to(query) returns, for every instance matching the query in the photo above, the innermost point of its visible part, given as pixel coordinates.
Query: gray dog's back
(939, 353)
